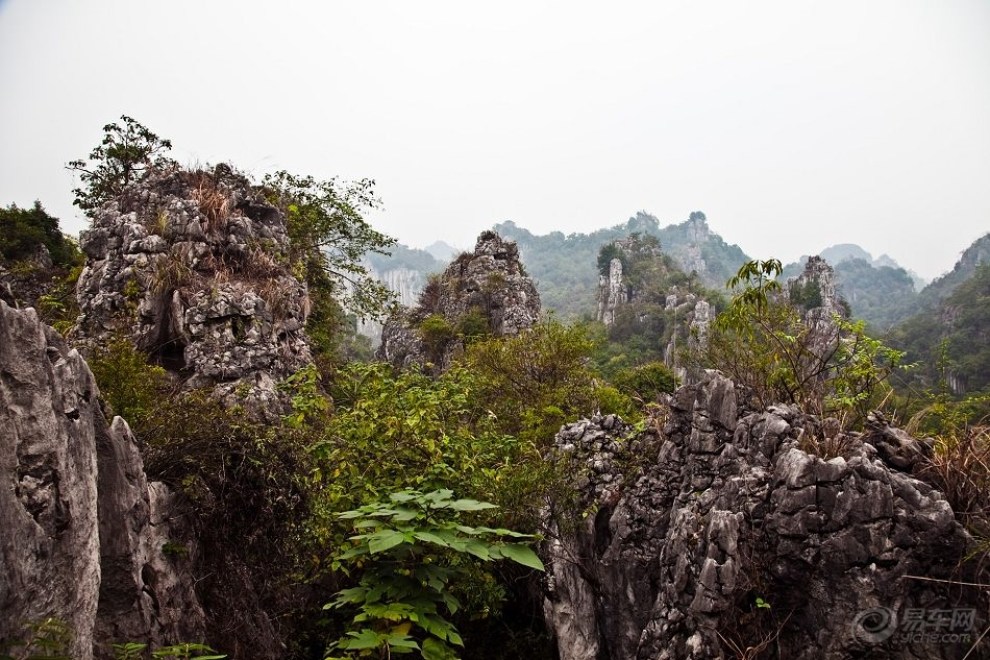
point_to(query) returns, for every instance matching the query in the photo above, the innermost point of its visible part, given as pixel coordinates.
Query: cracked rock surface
(193, 266)
(717, 528)
(83, 534)
(489, 283)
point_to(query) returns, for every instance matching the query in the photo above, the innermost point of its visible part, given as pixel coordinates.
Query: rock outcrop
(193, 267)
(488, 287)
(719, 529)
(405, 283)
(611, 292)
(638, 260)
(814, 290)
(84, 538)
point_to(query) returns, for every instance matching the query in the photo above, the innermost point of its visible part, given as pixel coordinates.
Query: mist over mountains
(878, 289)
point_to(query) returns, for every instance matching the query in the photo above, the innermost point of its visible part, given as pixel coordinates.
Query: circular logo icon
(874, 625)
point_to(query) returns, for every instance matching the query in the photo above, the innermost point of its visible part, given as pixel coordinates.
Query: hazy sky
(793, 125)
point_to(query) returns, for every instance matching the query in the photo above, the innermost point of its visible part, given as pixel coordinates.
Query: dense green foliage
(393, 431)
(23, 231)
(406, 430)
(764, 343)
(534, 382)
(952, 346)
(647, 381)
(131, 385)
(29, 281)
(412, 548)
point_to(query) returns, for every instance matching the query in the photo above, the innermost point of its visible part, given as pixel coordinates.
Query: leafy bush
(128, 153)
(647, 382)
(406, 430)
(23, 231)
(329, 236)
(765, 345)
(131, 385)
(436, 333)
(534, 381)
(46, 639)
(410, 549)
(183, 651)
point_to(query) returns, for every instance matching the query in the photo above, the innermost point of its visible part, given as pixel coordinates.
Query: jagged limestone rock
(611, 293)
(193, 266)
(489, 283)
(405, 283)
(82, 532)
(49, 543)
(712, 506)
(815, 290)
(147, 552)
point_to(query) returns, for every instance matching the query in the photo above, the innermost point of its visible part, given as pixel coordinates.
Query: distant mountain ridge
(949, 337)
(564, 266)
(942, 287)
(442, 251)
(879, 291)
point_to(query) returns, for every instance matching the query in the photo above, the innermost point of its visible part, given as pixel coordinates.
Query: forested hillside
(564, 265)
(950, 342)
(878, 291)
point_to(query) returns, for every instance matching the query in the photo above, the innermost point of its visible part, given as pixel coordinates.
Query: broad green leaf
(366, 639)
(384, 540)
(521, 554)
(479, 550)
(434, 649)
(471, 505)
(429, 537)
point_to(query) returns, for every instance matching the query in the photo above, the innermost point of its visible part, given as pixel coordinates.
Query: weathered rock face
(84, 536)
(815, 289)
(489, 284)
(611, 292)
(619, 287)
(49, 543)
(713, 507)
(147, 552)
(24, 285)
(405, 283)
(692, 317)
(193, 267)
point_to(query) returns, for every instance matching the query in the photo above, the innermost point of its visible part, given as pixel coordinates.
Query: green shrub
(646, 382)
(131, 385)
(473, 325)
(436, 333)
(23, 231)
(411, 548)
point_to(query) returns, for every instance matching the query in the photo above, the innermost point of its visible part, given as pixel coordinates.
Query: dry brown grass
(960, 468)
(830, 441)
(213, 199)
(170, 273)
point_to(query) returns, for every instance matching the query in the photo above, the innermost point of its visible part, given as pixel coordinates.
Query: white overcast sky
(793, 125)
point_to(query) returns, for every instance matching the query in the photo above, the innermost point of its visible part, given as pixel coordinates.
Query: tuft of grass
(214, 202)
(960, 468)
